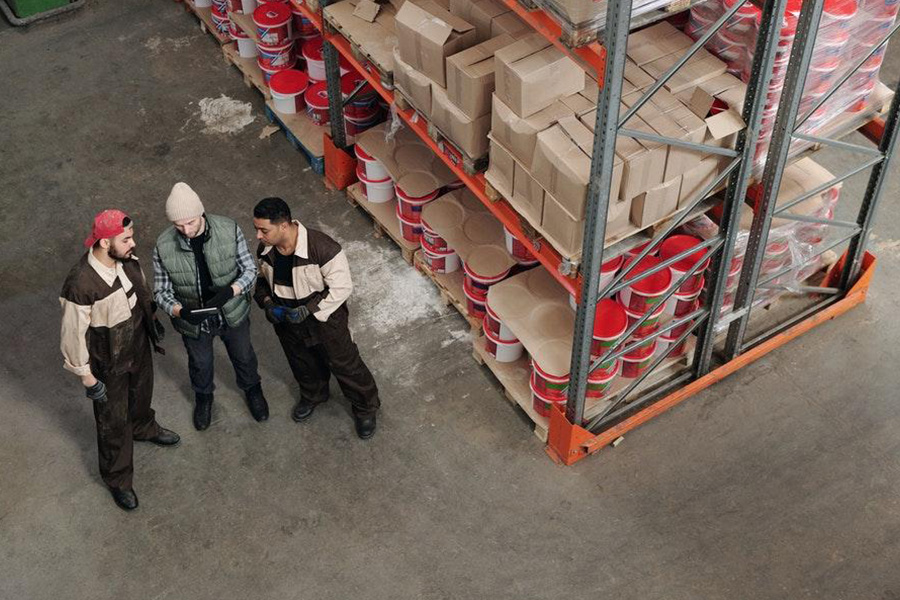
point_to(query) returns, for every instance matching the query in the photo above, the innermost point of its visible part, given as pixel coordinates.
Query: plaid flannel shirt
(164, 292)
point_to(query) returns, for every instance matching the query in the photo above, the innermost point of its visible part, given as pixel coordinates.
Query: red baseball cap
(107, 224)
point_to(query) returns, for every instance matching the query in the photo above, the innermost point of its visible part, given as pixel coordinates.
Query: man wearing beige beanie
(204, 274)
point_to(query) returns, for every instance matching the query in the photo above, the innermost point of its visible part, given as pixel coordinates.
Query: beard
(114, 253)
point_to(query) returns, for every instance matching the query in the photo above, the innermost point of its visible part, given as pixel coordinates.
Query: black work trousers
(317, 350)
(201, 359)
(126, 415)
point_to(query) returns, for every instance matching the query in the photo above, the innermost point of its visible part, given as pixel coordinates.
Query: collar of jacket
(185, 243)
(107, 274)
(302, 247)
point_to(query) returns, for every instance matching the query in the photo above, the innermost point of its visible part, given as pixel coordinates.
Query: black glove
(221, 297)
(191, 317)
(159, 330)
(96, 392)
(296, 315)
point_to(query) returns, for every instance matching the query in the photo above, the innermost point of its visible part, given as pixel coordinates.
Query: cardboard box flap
(701, 102)
(578, 133)
(366, 10)
(432, 20)
(724, 124)
(479, 59)
(536, 308)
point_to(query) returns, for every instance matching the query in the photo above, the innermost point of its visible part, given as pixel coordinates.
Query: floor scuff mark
(225, 115)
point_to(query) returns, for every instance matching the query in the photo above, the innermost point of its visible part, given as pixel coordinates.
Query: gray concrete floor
(780, 482)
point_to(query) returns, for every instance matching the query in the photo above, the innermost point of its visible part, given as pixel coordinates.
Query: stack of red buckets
(219, 14)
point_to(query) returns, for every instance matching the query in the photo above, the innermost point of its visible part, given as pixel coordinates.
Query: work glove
(96, 392)
(296, 315)
(221, 297)
(192, 317)
(274, 314)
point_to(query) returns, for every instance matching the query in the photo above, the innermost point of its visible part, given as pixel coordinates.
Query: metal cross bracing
(787, 124)
(718, 249)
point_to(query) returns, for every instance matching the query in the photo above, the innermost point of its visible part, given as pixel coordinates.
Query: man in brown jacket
(107, 329)
(303, 285)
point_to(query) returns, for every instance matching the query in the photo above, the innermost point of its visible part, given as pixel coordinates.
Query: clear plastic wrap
(848, 30)
(581, 20)
(790, 249)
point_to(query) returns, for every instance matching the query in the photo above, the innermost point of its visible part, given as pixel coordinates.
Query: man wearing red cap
(107, 329)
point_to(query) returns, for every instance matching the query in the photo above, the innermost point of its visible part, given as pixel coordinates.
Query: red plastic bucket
(376, 191)
(275, 57)
(519, 251)
(541, 402)
(244, 7)
(650, 324)
(273, 23)
(246, 46)
(220, 19)
(665, 342)
(503, 351)
(411, 231)
(599, 381)
(497, 327)
(433, 238)
(303, 27)
(268, 73)
(681, 304)
(287, 89)
(677, 244)
(610, 324)
(475, 303)
(647, 294)
(481, 283)
(547, 385)
(315, 63)
(635, 366)
(411, 206)
(439, 260)
(317, 102)
(374, 169)
(364, 104)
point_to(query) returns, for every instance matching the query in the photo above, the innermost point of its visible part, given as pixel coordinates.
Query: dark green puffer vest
(221, 256)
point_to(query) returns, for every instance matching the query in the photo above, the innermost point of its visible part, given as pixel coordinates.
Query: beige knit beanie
(183, 203)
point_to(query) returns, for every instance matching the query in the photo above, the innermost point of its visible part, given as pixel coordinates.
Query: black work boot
(365, 426)
(125, 499)
(202, 410)
(257, 404)
(302, 410)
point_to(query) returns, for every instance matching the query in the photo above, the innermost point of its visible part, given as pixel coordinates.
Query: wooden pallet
(377, 60)
(304, 135)
(384, 219)
(450, 286)
(253, 77)
(459, 158)
(204, 15)
(514, 379)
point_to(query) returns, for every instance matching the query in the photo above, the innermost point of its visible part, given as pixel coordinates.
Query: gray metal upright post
(332, 61)
(776, 159)
(887, 146)
(754, 104)
(618, 21)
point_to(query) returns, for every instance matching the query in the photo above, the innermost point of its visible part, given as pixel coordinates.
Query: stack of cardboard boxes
(444, 64)
(542, 134)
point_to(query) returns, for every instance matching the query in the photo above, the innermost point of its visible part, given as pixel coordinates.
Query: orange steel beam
(568, 443)
(591, 56)
(501, 209)
(309, 14)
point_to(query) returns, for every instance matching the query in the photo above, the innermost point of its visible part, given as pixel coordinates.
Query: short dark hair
(274, 209)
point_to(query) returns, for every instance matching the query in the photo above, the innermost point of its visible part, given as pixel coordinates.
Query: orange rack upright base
(568, 443)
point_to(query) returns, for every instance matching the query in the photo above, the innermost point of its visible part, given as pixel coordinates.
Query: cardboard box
(470, 135)
(414, 85)
(519, 135)
(470, 76)
(510, 24)
(579, 104)
(480, 14)
(562, 164)
(501, 170)
(427, 34)
(699, 68)
(564, 232)
(528, 195)
(696, 180)
(655, 204)
(654, 42)
(531, 74)
(721, 128)
(636, 76)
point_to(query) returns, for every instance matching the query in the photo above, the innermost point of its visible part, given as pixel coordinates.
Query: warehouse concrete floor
(780, 482)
